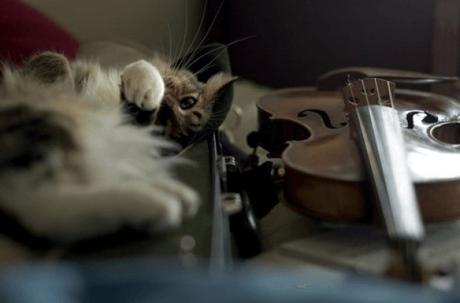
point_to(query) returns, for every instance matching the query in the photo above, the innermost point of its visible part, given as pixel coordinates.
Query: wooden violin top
(327, 151)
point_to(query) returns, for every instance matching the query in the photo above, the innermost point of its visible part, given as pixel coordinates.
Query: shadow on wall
(296, 41)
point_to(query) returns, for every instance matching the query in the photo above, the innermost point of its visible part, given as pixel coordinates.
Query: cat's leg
(142, 84)
(71, 214)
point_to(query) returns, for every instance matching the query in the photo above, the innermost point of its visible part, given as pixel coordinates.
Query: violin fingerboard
(369, 91)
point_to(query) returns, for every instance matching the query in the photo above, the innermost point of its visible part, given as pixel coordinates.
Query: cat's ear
(48, 68)
(217, 85)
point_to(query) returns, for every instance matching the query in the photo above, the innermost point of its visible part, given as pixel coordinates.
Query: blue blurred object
(149, 281)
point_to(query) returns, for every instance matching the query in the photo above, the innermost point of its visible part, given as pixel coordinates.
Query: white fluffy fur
(120, 179)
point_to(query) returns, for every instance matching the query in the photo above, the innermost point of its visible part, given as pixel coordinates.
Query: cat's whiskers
(162, 46)
(221, 49)
(170, 45)
(196, 73)
(186, 64)
(184, 36)
(201, 70)
(214, 49)
(176, 47)
(197, 32)
(218, 115)
(169, 53)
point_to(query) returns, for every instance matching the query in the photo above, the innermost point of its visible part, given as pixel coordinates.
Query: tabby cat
(73, 166)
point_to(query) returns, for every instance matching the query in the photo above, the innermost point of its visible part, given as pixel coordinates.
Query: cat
(73, 166)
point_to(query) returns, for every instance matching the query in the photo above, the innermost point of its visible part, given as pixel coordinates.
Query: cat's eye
(187, 103)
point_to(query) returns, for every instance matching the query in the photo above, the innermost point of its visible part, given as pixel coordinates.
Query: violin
(325, 176)
(337, 149)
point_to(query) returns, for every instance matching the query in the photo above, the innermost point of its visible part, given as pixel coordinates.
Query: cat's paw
(187, 197)
(73, 214)
(142, 84)
(179, 201)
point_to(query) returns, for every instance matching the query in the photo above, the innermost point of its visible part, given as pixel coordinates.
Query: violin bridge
(369, 91)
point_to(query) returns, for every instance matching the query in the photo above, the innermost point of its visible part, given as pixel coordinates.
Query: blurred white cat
(73, 167)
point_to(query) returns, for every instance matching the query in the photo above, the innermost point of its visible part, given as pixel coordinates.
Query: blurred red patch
(24, 31)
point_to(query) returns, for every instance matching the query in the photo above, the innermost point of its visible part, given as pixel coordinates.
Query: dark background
(298, 40)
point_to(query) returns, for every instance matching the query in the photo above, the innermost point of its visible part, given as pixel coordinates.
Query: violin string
(378, 91)
(391, 97)
(355, 101)
(372, 156)
(371, 115)
(363, 90)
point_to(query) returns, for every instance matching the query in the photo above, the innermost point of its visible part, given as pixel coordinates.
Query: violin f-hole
(428, 119)
(324, 117)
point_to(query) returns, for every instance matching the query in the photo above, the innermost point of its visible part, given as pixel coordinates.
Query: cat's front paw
(179, 200)
(142, 84)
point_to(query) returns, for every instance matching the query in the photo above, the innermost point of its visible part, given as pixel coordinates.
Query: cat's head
(188, 104)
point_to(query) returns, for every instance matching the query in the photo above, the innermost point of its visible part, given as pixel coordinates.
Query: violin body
(324, 175)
